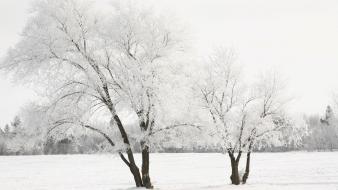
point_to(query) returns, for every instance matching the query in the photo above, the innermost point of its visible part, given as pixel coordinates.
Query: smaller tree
(2, 133)
(16, 122)
(7, 130)
(242, 116)
(16, 125)
(328, 117)
(328, 130)
(2, 142)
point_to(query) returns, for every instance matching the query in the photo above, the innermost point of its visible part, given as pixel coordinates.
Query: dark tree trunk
(136, 173)
(247, 168)
(234, 173)
(145, 159)
(145, 166)
(132, 165)
(235, 179)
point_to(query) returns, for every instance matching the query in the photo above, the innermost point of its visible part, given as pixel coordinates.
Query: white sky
(299, 38)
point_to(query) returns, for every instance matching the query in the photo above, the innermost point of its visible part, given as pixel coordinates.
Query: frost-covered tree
(241, 116)
(328, 117)
(274, 127)
(27, 134)
(3, 147)
(34, 127)
(16, 125)
(329, 129)
(323, 131)
(7, 129)
(94, 61)
(2, 133)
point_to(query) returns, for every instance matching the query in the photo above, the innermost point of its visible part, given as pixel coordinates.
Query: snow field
(270, 171)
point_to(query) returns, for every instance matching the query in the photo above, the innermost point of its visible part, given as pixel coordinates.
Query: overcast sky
(298, 37)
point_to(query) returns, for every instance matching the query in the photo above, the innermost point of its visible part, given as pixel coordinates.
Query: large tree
(91, 57)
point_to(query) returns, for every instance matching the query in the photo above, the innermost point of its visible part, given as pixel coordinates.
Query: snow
(270, 171)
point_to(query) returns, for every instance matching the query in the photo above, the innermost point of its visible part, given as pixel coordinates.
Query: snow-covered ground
(297, 170)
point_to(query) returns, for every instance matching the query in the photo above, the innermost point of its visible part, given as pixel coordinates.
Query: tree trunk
(145, 166)
(145, 158)
(132, 165)
(136, 173)
(235, 179)
(247, 168)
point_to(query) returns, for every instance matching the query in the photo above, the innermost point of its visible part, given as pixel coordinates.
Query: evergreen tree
(2, 133)
(7, 129)
(16, 124)
(329, 116)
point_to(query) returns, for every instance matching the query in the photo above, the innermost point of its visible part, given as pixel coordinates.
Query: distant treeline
(16, 139)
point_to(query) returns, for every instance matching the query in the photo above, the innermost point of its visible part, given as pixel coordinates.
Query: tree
(6, 129)
(329, 116)
(16, 122)
(326, 132)
(2, 132)
(322, 133)
(220, 92)
(16, 125)
(270, 103)
(26, 136)
(3, 148)
(91, 61)
(2, 135)
(241, 116)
